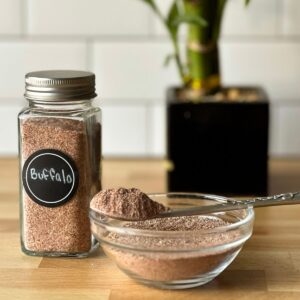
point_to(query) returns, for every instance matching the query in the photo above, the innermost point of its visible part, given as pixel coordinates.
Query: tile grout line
(151, 25)
(24, 7)
(234, 39)
(89, 54)
(150, 102)
(277, 147)
(279, 19)
(149, 129)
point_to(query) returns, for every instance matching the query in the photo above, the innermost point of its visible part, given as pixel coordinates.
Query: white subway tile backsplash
(290, 17)
(259, 18)
(92, 17)
(157, 130)
(9, 126)
(272, 65)
(140, 130)
(260, 46)
(124, 130)
(10, 17)
(133, 70)
(20, 57)
(288, 131)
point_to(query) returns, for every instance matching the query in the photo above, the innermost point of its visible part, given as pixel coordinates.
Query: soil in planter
(224, 95)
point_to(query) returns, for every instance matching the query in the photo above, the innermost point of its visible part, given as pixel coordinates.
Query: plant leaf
(172, 15)
(149, 2)
(190, 19)
(247, 2)
(218, 21)
(168, 59)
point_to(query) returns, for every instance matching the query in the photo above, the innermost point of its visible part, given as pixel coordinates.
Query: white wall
(125, 45)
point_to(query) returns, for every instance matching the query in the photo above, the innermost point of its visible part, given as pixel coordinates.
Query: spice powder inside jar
(60, 165)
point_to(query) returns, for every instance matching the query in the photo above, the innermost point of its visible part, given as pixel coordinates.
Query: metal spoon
(232, 204)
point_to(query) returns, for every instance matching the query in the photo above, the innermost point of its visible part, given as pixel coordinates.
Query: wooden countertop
(267, 268)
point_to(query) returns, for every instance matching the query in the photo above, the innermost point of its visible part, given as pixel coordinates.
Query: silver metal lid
(59, 85)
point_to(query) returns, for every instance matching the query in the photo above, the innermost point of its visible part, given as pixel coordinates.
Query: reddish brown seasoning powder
(64, 228)
(127, 204)
(167, 266)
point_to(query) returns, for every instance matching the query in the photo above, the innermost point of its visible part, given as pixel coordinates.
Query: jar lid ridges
(59, 85)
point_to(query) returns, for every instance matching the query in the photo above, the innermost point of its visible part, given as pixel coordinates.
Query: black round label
(50, 177)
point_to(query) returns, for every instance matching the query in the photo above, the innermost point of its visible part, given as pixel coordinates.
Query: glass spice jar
(60, 162)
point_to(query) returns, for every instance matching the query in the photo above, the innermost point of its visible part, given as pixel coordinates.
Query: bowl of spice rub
(140, 234)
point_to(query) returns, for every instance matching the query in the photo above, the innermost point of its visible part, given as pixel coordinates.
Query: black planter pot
(218, 147)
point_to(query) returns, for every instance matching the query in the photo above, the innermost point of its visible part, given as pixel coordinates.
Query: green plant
(200, 70)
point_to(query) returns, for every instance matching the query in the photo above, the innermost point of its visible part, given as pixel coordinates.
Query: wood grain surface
(267, 268)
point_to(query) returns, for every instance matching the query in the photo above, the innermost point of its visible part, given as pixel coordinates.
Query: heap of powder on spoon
(126, 204)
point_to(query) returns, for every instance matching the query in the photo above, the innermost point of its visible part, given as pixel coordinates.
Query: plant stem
(202, 44)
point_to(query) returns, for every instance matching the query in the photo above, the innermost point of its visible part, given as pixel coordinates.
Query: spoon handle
(232, 204)
(280, 199)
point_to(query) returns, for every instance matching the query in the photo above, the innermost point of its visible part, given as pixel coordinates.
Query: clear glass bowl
(175, 259)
